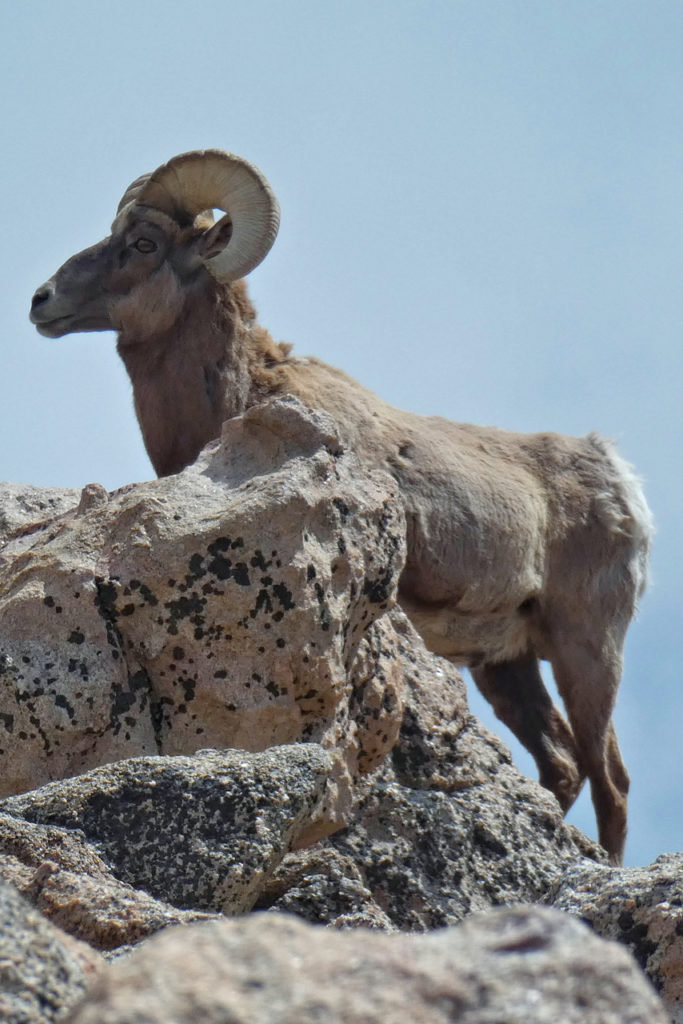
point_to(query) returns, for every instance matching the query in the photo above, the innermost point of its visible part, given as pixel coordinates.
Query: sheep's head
(162, 244)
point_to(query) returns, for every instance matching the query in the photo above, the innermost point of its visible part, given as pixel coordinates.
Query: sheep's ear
(215, 239)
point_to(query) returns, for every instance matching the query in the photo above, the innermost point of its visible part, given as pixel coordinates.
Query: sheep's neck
(188, 380)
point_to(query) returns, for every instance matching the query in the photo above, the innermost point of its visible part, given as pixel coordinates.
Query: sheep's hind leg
(516, 692)
(588, 684)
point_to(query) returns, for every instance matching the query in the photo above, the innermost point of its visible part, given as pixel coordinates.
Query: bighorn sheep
(520, 547)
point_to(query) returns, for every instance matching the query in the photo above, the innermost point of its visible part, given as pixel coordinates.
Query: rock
(63, 877)
(418, 860)
(447, 828)
(42, 971)
(640, 907)
(203, 831)
(24, 507)
(222, 607)
(522, 966)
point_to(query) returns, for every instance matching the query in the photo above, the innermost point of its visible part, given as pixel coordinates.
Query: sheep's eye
(145, 245)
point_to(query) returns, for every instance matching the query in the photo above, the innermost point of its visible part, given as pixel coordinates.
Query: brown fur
(520, 547)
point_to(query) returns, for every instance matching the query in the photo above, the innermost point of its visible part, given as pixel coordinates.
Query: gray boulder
(204, 831)
(63, 876)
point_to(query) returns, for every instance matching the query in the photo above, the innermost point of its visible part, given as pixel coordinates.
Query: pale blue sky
(482, 217)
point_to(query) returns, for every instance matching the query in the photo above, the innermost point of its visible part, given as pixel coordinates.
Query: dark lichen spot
(147, 595)
(189, 686)
(76, 637)
(62, 702)
(284, 596)
(342, 508)
(258, 561)
(223, 569)
(105, 598)
(636, 935)
(196, 566)
(377, 591)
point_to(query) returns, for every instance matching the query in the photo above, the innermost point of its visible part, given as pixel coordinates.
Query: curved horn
(132, 192)
(205, 179)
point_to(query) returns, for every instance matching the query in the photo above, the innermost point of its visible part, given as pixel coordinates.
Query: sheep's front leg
(517, 694)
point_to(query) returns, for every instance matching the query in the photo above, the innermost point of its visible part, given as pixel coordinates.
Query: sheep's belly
(470, 639)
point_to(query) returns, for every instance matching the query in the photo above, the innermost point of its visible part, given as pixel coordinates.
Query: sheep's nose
(41, 296)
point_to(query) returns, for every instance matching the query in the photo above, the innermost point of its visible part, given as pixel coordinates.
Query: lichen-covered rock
(451, 828)
(424, 859)
(640, 907)
(521, 966)
(64, 877)
(42, 971)
(202, 831)
(222, 607)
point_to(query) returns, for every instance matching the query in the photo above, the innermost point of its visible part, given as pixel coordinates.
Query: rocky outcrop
(223, 607)
(245, 606)
(641, 908)
(66, 879)
(521, 966)
(447, 827)
(203, 832)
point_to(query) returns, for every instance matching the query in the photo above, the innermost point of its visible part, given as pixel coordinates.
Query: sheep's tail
(624, 508)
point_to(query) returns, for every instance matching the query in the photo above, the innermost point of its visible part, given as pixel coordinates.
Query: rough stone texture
(25, 506)
(642, 908)
(42, 971)
(452, 828)
(424, 859)
(220, 607)
(63, 877)
(203, 831)
(520, 966)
